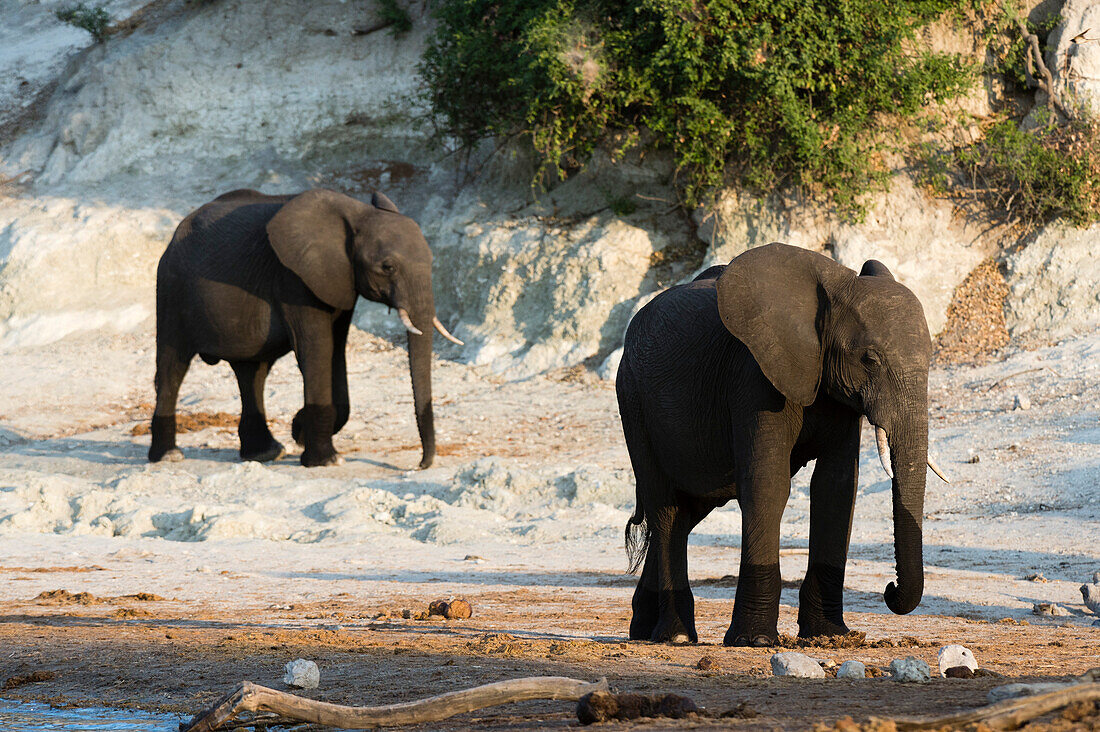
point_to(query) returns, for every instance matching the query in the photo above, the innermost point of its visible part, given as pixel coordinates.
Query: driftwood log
(249, 697)
(1014, 713)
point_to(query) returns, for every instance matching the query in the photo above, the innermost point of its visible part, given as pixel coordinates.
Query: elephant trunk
(422, 314)
(908, 442)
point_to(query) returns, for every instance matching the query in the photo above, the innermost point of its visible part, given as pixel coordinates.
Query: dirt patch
(43, 570)
(33, 677)
(64, 597)
(975, 327)
(730, 580)
(194, 422)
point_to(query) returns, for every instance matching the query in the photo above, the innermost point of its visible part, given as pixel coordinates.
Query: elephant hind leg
(172, 365)
(257, 443)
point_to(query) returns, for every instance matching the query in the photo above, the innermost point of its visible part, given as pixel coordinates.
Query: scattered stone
(986, 673)
(473, 558)
(33, 677)
(852, 670)
(798, 665)
(302, 674)
(1021, 402)
(959, 672)
(1035, 577)
(954, 655)
(1049, 609)
(874, 672)
(437, 607)
(709, 663)
(1012, 691)
(974, 459)
(406, 614)
(743, 710)
(603, 706)
(910, 670)
(1090, 593)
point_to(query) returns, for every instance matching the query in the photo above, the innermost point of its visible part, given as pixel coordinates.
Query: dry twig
(1035, 61)
(249, 697)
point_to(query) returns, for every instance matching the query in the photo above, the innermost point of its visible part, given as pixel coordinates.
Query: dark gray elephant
(248, 278)
(732, 383)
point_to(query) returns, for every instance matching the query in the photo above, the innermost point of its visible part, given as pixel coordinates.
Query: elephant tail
(637, 540)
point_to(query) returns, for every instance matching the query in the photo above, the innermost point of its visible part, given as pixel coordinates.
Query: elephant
(250, 277)
(730, 384)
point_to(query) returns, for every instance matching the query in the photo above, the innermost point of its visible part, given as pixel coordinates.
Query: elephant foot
(645, 614)
(172, 455)
(274, 451)
(756, 641)
(297, 428)
(322, 461)
(820, 627)
(759, 634)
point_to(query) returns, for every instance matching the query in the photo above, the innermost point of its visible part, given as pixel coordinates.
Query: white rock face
(917, 237)
(1054, 283)
(955, 655)
(852, 670)
(302, 674)
(1076, 66)
(796, 664)
(910, 670)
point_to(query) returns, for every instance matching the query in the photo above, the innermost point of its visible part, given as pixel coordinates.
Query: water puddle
(34, 717)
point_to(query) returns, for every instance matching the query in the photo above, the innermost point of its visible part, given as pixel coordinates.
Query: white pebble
(956, 655)
(851, 670)
(1021, 402)
(302, 674)
(910, 670)
(796, 664)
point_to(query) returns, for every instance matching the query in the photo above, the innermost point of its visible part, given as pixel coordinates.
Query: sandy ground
(522, 514)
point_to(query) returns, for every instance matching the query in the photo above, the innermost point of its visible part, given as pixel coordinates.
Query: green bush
(1036, 176)
(779, 92)
(93, 19)
(394, 15)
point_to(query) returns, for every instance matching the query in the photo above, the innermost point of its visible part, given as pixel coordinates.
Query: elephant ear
(772, 299)
(310, 235)
(380, 200)
(875, 268)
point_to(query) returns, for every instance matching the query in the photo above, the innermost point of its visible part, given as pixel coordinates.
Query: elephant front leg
(832, 501)
(764, 486)
(257, 442)
(171, 368)
(313, 425)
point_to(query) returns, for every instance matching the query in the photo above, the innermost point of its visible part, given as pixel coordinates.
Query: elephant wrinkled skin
(732, 383)
(248, 277)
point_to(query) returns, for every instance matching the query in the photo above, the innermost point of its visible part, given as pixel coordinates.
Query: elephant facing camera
(728, 386)
(248, 278)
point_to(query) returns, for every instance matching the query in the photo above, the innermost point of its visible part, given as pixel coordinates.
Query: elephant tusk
(936, 469)
(404, 315)
(883, 451)
(444, 332)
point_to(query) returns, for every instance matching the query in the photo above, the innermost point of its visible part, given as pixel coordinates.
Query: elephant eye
(389, 268)
(870, 359)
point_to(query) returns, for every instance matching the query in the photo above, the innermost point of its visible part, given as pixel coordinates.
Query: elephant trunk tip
(901, 602)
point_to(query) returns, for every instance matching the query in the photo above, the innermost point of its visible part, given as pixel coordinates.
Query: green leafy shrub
(93, 19)
(777, 91)
(395, 16)
(1032, 177)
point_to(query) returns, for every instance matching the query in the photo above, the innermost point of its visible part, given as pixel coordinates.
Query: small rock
(910, 670)
(1035, 577)
(709, 663)
(959, 672)
(852, 670)
(874, 672)
(437, 607)
(954, 655)
(302, 674)
(1021, 402)
(1090, 593)
(407, 614)
(974, 459)
(796, 664)
(1050, 609)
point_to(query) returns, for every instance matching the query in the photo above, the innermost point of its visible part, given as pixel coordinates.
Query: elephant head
(812, 324)
(342, 248)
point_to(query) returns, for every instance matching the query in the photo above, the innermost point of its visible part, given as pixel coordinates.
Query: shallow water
(33, 717)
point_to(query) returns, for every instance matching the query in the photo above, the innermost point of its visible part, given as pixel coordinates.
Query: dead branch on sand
(1014, 713)
(249, 697)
